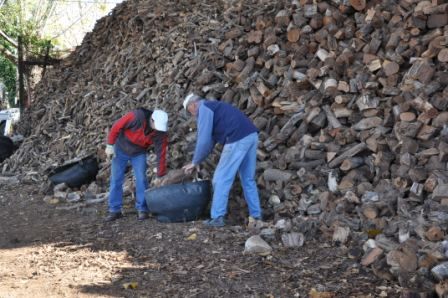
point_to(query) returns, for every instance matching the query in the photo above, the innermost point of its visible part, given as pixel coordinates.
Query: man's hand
(188, 169)
(110, 151)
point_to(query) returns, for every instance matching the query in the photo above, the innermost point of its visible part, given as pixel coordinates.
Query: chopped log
(276, 175)
(312, 114)
(330, 86)
(351, 163)
(437, 20)
(346, 154)
(369, 211)
(293, 34)
(407, 116)
(282, 18)
(333, 121)
(255, 36)
(272, 142)
(430, 184)
(322, 54)
(264, 91)
(306, 164)
(341, 112)
(341, 234)
(426, 133)
(421, 70)
(314, 154)
(436, 9)
(443, 55)
(368, 123)
(358, 4)
(390, 68)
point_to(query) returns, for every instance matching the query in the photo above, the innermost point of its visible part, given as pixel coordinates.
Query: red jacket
(133, 135)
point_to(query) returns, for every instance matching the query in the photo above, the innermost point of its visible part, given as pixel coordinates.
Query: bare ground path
(46, 252)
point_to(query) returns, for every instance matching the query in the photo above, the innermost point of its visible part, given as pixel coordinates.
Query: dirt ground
(48, 252)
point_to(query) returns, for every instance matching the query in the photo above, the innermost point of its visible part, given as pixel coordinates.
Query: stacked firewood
(350, 98)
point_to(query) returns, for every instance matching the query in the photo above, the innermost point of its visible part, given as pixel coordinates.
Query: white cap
(160, 120)
(190, 97)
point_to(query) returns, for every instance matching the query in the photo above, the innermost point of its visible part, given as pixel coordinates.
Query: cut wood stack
(350, 98)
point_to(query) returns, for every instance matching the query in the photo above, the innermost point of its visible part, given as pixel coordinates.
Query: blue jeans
(240, 157)
(119, 163)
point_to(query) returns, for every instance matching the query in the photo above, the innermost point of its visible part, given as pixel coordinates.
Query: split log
(351, 163)
(346, 154)
(334, 122)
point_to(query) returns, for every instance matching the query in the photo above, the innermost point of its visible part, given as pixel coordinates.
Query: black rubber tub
(179, 202)
(7, 148)
(77, 173)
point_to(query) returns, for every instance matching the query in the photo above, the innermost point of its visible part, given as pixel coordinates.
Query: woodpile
(350, 98)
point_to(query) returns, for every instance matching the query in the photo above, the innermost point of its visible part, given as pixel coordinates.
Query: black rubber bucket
(179, 202)
(77, 173)
(6, 148)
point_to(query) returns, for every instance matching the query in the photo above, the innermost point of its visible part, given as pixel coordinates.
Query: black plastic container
(7, 148)
(179, 202)
(77, 173)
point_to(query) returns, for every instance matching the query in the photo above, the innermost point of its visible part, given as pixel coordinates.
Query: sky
(70, 20)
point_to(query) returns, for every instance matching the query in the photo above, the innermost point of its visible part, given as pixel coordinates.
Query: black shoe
(215, 222)
(142, 215)
(113, 216)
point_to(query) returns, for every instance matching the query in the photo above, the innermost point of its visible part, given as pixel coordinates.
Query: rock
(373, 255)
(268, 234)
(283, 224)
(434, 234)
(73, 197)
(51, 200)
(60, 195)
(256, 245)
(341, 234)
(440, 271)
(93, 188)
(60, 187)
(293, 239)
(274, 200)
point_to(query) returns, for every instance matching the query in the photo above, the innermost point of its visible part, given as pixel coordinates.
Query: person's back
(229, 123)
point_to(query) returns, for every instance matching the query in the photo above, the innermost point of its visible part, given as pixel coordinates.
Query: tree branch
(8, 39)
(8, 55)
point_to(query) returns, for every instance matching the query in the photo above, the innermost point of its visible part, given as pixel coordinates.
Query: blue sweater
(219, 122)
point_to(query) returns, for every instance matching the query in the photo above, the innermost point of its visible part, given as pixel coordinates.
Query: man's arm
(204, 142)
(118, 126)
(160, 141)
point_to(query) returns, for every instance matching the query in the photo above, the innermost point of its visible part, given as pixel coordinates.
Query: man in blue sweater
(219, 122)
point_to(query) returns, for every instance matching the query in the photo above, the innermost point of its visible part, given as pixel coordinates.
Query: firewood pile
(350, 98)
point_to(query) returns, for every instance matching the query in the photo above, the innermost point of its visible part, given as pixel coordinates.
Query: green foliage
(25, 18)
(22, 18)
(8, 76)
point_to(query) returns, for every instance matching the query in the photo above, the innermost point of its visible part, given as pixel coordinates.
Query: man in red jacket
(128, 140)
